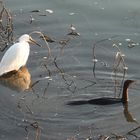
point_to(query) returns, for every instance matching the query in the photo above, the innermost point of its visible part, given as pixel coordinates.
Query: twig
(131, 131)
(119, 59)
(49, 72)
(63, 44)
(36, 126)
(95, 60)
(63, 77)
(41, 34)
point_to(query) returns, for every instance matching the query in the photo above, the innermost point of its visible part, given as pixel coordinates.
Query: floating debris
(72, 28)
(44, 57)
(73, 31)
(131, 43)
(47, 38)
(71, 14)
(35, 11)
(49, 11)
(128, 40)
(120, 44)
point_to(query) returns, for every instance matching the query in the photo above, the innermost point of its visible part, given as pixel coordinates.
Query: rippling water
(41, 112)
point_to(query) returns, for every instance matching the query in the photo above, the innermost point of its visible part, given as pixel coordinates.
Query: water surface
(69, 72)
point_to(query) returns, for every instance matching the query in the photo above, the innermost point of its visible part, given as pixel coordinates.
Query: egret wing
(10, 60)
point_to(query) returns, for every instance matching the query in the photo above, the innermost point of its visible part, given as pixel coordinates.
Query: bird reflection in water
(17, 80)
(110, 101)
(127, 114)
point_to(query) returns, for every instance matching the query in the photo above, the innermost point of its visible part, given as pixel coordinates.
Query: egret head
(27, 38)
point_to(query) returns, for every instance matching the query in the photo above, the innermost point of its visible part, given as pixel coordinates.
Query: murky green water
(42, 112)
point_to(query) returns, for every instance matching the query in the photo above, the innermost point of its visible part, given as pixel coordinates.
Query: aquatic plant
(6, 28)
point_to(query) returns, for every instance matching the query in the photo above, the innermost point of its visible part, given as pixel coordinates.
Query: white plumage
(16, 56)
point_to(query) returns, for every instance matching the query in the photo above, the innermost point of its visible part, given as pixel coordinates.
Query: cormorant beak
(34, 42)
(133, 82)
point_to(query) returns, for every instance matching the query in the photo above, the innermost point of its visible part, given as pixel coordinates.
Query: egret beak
(34, 42)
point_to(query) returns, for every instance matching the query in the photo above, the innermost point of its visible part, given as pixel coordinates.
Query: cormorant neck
(125, 97)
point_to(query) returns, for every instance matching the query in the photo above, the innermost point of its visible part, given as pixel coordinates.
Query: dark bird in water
(107, 100)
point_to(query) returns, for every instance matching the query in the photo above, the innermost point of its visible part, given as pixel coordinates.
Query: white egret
(17, 55)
